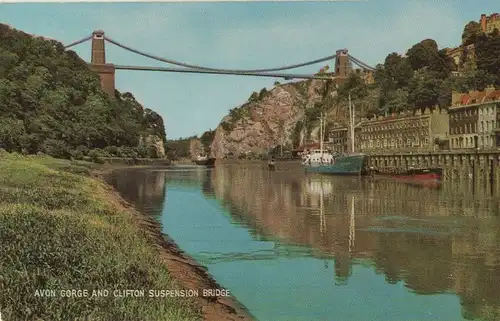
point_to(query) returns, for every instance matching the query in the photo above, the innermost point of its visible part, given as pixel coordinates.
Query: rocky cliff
(195, 148)
(271, 118)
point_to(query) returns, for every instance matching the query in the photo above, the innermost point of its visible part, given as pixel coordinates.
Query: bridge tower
(342, 65)
(98, 63)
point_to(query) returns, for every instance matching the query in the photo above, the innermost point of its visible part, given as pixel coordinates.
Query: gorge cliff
(277, 117)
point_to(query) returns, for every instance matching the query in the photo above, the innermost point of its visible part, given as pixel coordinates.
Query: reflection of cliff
(426, 238)
(146, 190)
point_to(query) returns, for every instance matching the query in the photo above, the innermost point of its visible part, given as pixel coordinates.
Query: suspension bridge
(106, 71)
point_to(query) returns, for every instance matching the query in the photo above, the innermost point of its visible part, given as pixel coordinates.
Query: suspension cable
(363, 66)
(360, 63)
(312, 62)
(216, 69)
(220, 72)
(78, 42)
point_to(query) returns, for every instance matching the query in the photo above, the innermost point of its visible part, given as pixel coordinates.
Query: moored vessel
(205, 161)
(349, 164)
(414, 174)
(326, 162)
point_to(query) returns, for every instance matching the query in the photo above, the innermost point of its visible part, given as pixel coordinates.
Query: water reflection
(434, 240)
(145, 189)
(262, 232)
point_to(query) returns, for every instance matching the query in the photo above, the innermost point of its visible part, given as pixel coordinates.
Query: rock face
(268, 119)
(195, 148)
(155, 143)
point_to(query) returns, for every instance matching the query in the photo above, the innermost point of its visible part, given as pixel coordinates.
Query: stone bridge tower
(342, 65)
(98, 63)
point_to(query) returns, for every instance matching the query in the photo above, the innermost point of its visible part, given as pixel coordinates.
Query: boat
(348, 164)
(326, 162)
(414, 174)
(205, 161)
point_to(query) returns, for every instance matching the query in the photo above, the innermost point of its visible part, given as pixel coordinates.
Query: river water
(291, 246)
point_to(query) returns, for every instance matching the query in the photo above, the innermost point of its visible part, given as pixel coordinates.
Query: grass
(58, 230)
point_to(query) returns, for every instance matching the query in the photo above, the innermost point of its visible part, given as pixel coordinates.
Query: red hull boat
(415, 174)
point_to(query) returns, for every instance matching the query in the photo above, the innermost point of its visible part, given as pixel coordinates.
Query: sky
(238, 35)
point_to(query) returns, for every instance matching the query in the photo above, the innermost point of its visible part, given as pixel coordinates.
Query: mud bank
(181, 266)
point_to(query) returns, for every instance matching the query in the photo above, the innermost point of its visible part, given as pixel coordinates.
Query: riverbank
(61, 229)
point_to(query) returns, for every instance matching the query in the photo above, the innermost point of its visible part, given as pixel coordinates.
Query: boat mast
(321, 212)
(351, 123)
(352, 226)
(321, 134)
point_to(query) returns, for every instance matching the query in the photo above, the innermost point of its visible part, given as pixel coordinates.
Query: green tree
(471, 31)
(207, 138)
(488, 58)
(422, 54)
(354, 86)
(51, 102)
(398, 71)
(425, 90)
(396, 101)
(425, 55)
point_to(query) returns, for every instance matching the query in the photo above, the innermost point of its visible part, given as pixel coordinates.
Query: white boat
(325, 162)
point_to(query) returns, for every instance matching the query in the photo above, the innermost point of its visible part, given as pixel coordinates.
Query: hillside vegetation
(50, 102)
(73, 234)
(424, 78)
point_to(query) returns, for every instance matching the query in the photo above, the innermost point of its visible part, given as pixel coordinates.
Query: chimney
(483, 22)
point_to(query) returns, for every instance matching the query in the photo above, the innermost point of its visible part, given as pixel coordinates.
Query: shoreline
(183, 268)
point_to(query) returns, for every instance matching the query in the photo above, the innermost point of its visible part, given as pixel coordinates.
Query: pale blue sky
(243, 35)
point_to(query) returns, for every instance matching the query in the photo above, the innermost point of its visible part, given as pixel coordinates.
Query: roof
(478, 97)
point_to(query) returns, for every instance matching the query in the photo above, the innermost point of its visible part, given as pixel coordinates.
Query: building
(403, 132)
(338, 139)
(474, 120)
(490, 23)
(457, 56)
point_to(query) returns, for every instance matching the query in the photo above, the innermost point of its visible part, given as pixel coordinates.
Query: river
(297, 247)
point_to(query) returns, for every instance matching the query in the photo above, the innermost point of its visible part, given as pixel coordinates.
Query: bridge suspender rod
(173, 62)
(218, 72)
(78, 42)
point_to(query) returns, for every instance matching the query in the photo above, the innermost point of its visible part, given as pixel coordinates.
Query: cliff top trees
(488, 57)
(471, 31)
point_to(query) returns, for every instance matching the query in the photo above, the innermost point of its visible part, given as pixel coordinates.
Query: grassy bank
(60, 230)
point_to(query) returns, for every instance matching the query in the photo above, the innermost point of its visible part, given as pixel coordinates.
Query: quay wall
(480, 165)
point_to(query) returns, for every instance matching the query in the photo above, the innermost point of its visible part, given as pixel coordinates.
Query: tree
(51, 102)
(422, 54)
(398, 71)
(425, 90)
(471, 31)
(397, 101)
(354, 86)
(488, 57)
(207, 138)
